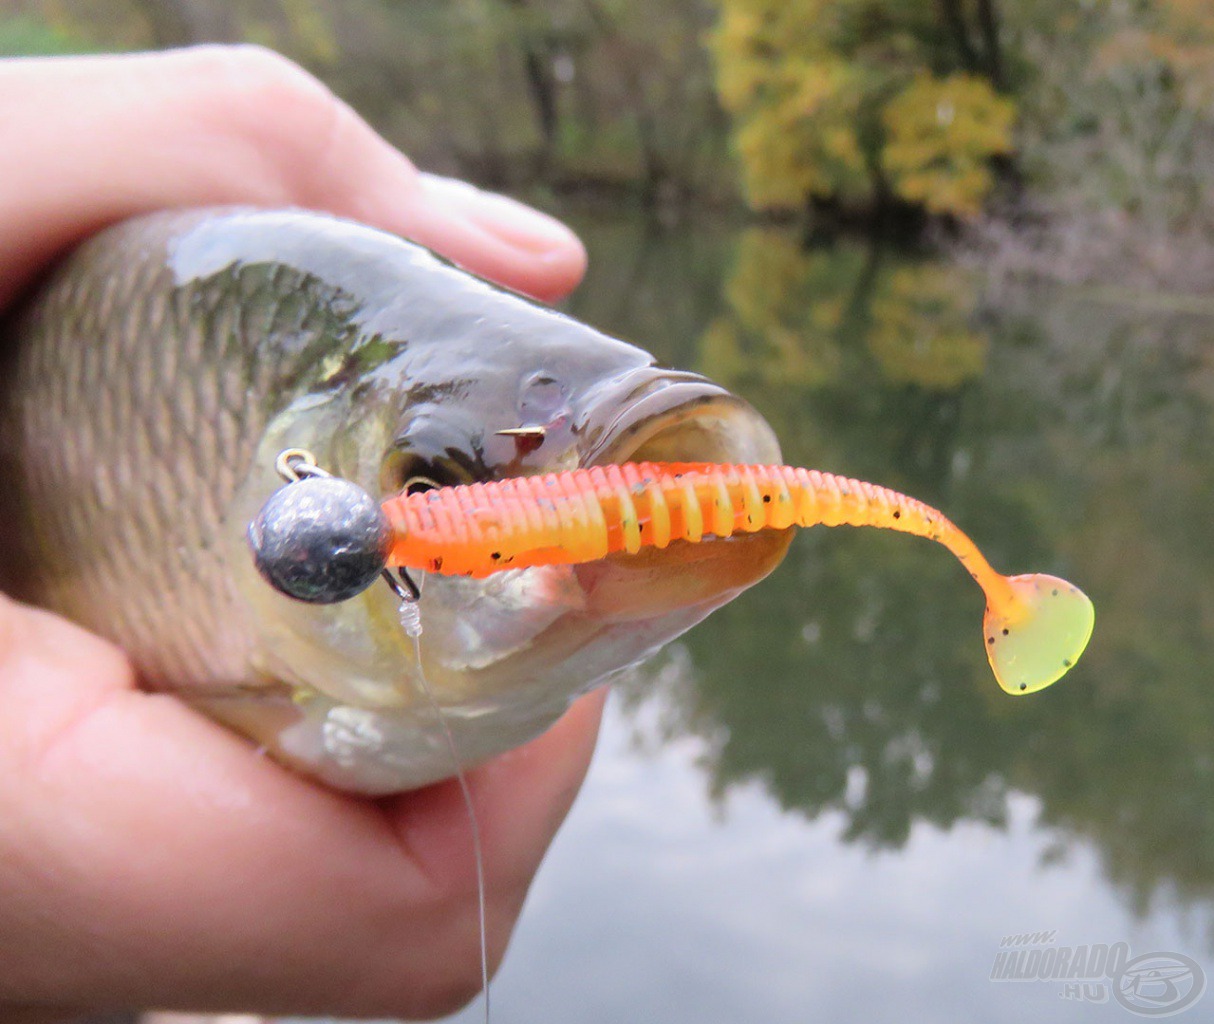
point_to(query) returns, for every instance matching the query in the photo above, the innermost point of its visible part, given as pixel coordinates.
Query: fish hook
(405, 588)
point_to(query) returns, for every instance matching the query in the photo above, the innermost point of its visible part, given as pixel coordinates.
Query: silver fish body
(148, 387)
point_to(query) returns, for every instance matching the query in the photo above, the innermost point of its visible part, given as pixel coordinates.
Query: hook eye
(293, 464)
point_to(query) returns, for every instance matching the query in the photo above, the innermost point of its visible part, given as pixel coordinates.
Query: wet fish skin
(151, 382)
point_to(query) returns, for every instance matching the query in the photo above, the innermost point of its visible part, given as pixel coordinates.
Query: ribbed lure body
(1036, 626)
(586, 514)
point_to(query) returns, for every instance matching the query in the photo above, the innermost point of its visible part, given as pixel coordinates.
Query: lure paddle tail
(1036, 626)
(1034, 638)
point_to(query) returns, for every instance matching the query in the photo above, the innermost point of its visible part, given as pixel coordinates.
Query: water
(818, 805)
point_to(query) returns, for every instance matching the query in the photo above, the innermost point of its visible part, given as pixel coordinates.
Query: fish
(149, 386)
(1035, 626)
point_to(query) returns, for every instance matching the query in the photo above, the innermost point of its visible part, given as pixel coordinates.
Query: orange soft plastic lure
(1035, 627)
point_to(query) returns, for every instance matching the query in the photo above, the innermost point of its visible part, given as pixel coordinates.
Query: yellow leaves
(798, 135)
(740, 77)
(795, 103)
(940, 136)
(822, 112)
(775, 174)
(842, 145)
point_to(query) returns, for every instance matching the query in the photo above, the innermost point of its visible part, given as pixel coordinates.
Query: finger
(103, 138)
(149, 857)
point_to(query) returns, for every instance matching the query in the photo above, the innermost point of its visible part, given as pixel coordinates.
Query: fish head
(550, 407)
(497, 391)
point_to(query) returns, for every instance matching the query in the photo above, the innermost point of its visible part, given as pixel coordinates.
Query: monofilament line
(410, 619)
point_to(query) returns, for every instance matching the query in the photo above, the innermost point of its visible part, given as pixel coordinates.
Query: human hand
(249, 889)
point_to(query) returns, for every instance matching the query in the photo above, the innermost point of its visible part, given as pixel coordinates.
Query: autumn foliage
(860, 102)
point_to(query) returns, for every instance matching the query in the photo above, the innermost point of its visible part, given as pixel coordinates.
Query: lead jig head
(320, 539)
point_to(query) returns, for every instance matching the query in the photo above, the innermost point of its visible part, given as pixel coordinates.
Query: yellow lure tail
(1036, 626)
(1035, 638)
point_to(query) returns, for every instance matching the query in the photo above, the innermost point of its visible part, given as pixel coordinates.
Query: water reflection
(1066, 435)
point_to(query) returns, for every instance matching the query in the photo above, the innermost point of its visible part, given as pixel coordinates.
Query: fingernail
(517, 224)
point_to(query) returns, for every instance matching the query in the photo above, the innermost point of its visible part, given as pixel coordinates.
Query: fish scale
(143, 418)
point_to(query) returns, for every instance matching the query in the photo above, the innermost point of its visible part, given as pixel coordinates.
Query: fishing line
(411, 621)
(293, 540)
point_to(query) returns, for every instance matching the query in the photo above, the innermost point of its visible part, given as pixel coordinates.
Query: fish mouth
(659, 415)
(534, 633)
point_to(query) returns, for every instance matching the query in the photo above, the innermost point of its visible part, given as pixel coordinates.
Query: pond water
(818, 805)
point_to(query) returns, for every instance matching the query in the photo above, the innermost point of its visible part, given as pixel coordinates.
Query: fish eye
(404, 470)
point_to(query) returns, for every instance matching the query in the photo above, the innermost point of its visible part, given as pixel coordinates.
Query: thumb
(93, 140)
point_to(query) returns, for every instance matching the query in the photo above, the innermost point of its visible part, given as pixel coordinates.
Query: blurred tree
(607, 94)
(864, 102)
(541, 49)
(940, 135)
(24, 36)
(1116, 141)
(642, 77)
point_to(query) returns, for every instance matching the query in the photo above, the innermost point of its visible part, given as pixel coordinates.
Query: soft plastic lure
(1035, 627)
